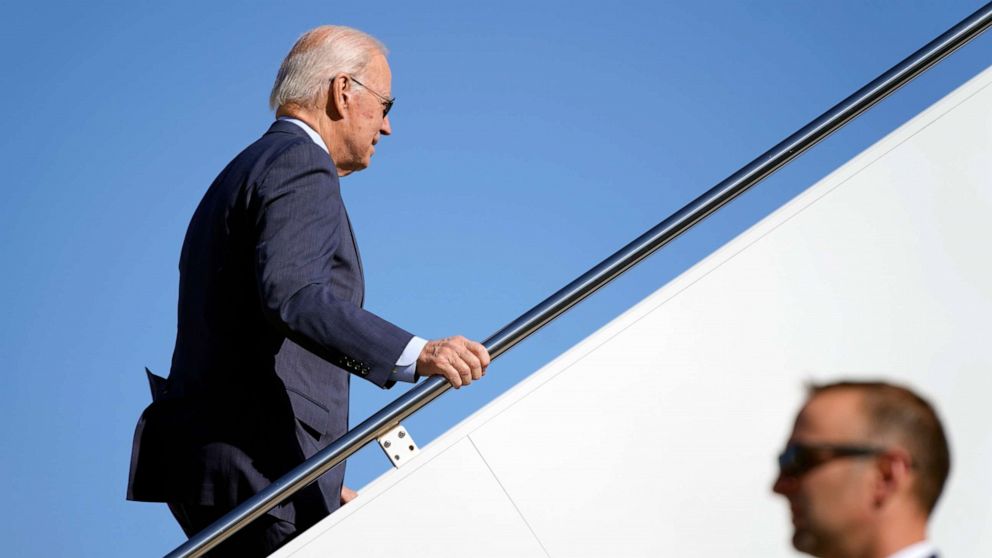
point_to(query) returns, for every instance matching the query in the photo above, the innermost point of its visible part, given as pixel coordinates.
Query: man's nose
(785, 484)
(385, 129)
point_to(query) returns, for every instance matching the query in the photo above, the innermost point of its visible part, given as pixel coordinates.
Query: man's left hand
(347, 495)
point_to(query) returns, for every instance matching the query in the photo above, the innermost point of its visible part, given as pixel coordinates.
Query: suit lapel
(358, 255)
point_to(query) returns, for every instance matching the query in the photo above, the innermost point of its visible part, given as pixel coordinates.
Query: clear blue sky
(531, 139)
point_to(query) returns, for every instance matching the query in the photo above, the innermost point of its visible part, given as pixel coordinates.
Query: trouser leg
(258, 539)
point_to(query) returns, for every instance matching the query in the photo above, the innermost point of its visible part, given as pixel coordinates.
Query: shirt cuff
(406, 365)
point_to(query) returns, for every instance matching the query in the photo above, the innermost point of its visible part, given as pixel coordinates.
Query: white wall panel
(453, 503)
(657, 434)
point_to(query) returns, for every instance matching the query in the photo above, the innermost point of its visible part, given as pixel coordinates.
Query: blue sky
(531, 139)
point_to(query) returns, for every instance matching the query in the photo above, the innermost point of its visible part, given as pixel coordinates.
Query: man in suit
(271, 325)
(862, 471)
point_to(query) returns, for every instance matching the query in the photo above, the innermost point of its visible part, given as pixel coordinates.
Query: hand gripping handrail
(589, 282)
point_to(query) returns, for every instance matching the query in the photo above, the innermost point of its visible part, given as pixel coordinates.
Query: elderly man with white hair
(271, 326)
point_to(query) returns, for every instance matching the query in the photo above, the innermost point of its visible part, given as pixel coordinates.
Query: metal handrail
(592, 280)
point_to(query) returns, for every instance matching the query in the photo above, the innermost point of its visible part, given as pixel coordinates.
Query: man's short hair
(897, 413)
(319, 55)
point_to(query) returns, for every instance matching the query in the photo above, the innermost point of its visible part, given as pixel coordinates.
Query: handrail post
(594, 279)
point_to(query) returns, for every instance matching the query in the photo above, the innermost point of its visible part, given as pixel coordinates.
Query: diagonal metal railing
(592, 280)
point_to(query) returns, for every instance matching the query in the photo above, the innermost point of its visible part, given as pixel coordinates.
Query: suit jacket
(270, 328)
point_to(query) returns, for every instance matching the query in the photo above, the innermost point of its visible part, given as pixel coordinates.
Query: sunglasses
(387, 102)
(798, 459)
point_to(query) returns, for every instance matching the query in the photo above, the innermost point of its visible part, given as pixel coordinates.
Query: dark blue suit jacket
(270, 326)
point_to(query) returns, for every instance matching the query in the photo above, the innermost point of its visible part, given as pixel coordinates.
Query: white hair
(319, 55)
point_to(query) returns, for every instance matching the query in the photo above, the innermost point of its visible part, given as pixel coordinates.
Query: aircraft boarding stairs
(657, 434)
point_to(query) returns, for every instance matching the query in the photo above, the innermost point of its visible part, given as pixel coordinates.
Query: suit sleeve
(299, 223)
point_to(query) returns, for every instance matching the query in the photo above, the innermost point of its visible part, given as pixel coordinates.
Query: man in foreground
(271, 324)
(862, 471)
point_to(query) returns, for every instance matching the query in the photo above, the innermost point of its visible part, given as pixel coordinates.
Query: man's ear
(893, 475)
(338, 97)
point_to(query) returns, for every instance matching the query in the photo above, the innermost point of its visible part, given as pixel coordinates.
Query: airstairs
(656, 435)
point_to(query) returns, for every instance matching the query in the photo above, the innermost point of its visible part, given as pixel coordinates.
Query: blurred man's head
(863, 469)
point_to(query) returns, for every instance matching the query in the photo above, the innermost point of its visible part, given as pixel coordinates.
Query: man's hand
(347, 495)
(458, 359)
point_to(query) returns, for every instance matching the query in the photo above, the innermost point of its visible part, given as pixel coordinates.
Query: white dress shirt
(922, 549)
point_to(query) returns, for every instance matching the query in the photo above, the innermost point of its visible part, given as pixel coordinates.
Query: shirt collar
(922, 549)
(310, 131)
